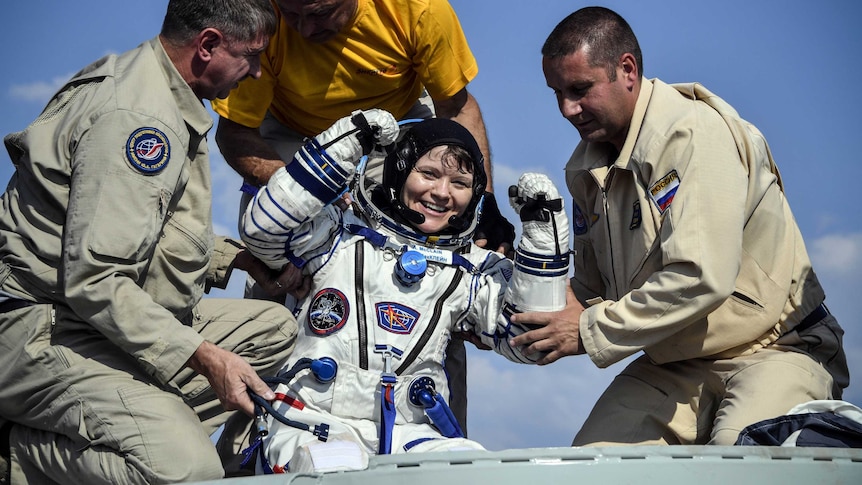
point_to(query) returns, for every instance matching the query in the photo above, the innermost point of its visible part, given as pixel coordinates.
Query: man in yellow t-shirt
(331, 57)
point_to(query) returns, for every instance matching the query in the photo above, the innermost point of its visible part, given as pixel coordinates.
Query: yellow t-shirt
(382, 59)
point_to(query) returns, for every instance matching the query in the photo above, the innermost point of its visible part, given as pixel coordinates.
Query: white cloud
(839, 254)
(506, 175)
(39, 91)
(524, 406)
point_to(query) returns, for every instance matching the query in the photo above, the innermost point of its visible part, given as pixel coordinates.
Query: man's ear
(207, 41)
(629, 67)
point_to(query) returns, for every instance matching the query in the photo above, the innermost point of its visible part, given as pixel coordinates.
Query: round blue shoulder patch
(148, 150)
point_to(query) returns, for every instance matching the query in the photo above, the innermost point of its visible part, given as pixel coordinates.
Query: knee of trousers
(39, 455)
(263, 332)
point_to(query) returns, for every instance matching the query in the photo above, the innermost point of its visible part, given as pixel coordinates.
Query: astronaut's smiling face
(438, 187)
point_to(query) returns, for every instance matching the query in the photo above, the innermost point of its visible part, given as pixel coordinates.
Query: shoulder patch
(148, 150)
(395, 317)
(636, 216)
(328, 311)
(579, 222)
(663, 191)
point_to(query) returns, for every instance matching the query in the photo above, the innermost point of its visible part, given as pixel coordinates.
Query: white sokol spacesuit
(367, 374)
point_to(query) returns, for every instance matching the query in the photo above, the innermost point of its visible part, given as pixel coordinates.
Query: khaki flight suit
(686, 249)
(107, 248)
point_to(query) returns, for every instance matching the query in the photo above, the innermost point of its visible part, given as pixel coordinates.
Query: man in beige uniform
(112, 368)
(685, 249)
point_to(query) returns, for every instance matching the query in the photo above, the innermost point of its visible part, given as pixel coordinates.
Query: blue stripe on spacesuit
(318, 173)
(374, 237)
(388, 410)
(379, 240)
(541, 265)
(262, 229)
(284, 211)
(411, 444)
(316, 187)
(461, 261)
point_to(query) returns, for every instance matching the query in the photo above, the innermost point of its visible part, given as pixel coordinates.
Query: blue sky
(789, 67)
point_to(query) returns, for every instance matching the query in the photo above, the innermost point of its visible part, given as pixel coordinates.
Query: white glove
(353, 136)
(325, 166)
(545, 224)
(542, 258)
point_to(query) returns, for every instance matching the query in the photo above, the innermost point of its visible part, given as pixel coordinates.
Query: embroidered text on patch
(148, 150)
(328, 311)
(663, 191)
(395, 317)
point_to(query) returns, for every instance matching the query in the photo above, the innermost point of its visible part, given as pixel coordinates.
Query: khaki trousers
(86, 412)
(703, 401)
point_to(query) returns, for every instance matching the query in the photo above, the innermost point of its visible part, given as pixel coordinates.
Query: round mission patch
(148, 150)
(328, 311)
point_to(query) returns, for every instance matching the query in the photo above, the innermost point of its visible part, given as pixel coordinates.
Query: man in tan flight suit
(113, 368)
(685, 249)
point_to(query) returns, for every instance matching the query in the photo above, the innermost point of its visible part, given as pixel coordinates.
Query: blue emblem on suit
(148, 150)
(396, 318)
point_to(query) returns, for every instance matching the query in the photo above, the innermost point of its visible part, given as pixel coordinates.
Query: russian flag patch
(663, 191)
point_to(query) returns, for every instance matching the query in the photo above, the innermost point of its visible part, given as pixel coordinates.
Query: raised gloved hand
(542, 258)
(538, 203)
(325, 165)
(353, 136)
(494, 231)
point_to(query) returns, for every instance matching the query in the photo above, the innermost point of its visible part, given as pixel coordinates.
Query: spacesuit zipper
(429, 330)
(360, 307)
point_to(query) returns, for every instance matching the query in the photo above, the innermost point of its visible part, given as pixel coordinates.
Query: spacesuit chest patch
(663, 191)
(148, 150)
(395, 317)
(328, 311)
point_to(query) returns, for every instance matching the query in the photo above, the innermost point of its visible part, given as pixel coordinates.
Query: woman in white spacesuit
(393, 277)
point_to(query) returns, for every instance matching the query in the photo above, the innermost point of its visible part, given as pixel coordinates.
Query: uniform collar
(644, 96)
(194, 112)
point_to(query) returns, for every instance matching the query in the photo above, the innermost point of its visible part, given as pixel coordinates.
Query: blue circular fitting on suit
(324, 369)
(410, 267)
(421, 392)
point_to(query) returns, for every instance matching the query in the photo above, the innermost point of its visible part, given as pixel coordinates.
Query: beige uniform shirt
(686, 246)
(109, 210)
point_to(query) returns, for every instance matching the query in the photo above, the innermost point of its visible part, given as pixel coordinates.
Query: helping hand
(230, 376)
(493, 231)
(558, 334)
(275, 282)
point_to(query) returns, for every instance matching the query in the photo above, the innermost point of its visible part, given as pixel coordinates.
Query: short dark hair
(605, 34)
(238, 20)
